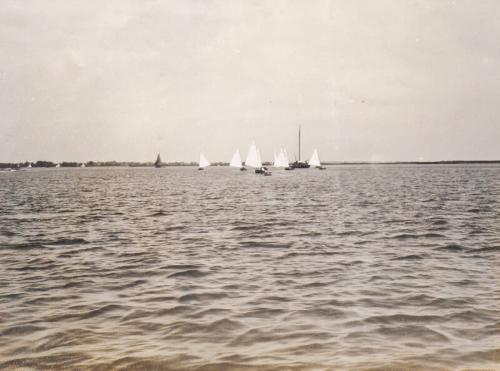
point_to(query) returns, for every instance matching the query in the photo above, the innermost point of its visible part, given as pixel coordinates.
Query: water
(352, 267)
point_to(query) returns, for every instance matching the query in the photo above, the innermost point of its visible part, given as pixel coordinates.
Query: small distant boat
(236, 161)
(314, 161)
(203, 163)
(58, 165)
(82, 165)
(254, 160)
(158, 161)
(29, 166)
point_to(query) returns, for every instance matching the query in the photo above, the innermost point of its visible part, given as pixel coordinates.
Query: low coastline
(69, 164)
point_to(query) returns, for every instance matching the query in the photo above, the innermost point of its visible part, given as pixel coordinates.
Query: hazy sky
(367, 80)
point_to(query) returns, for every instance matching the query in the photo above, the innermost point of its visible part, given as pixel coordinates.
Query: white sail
(286, 161)
(259, 159)
(279, 159)
(314, 161)
(275, 160)
(283, 158)
(252, 156)
(203, 161)
(236, 160)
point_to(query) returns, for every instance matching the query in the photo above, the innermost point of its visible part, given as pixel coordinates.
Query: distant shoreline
(49, 164)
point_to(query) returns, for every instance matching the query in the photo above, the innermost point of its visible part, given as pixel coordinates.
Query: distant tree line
(50, 164)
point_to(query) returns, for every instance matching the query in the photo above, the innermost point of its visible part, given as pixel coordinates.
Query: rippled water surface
(352, 267)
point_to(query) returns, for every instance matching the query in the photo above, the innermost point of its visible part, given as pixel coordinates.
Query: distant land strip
(49, 164)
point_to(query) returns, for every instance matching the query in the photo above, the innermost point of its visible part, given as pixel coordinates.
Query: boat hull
(300, 165)
(263, 170)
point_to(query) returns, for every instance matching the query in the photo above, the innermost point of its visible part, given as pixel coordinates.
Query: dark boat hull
(263, 170)
(300, 165)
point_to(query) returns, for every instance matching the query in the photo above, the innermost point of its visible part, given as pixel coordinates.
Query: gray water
(352, 267)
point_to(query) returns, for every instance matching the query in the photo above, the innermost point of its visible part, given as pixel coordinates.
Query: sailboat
(281, 159)
(236, 161)
(158, 161)
(254, 160)
(314, 161)
(203, 163)
(286, 161)
(58, 165)
(263, 169)
(83, 164)
(299, 164)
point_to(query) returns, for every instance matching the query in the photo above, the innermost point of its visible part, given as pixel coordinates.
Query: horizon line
(115, 163)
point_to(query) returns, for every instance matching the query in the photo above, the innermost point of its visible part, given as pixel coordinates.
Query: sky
(386, 80)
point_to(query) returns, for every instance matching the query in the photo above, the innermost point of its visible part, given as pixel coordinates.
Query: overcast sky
(367, 80)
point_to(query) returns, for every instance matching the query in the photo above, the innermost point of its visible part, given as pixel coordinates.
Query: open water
(354, 267)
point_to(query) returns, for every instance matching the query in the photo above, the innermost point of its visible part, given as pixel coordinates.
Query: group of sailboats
(254, 160)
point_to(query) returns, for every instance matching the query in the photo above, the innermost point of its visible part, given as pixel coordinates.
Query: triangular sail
(286, 161)
(158, 161)
(280, 158)
(275, 160)
(314, 161)
(259, 160)
(252, 156)
(203, 161)
(236, 160)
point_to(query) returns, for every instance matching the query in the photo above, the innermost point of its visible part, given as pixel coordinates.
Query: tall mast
(299, 143)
